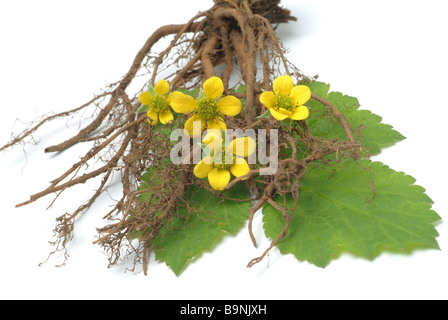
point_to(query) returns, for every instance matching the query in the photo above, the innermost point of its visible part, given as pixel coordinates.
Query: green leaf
(201, 94)
(199, 227)
(151, 89)
(241, 89)
(264, 115)
(336, 213)
(142, 109)
(374, 134)
(192, 93)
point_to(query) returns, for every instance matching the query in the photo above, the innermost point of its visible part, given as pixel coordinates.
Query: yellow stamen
(284, 102)
(207, 109)
(159, 103)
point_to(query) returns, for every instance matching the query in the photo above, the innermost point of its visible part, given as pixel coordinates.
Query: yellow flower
(209, 110)
(223, 161)
(287, 100)
(158, 103)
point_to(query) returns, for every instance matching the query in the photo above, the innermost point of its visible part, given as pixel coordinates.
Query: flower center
(207, 109)
(284, 102)
(159, 103)
(223, 160)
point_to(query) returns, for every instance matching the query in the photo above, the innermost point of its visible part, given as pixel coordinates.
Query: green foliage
(193, 92)
(144, 108)
(340, 212)
(200, 226)
(373, 134)
(363, 207)
(241, 89)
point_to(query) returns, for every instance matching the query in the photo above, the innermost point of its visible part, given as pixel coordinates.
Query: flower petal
(243, 147)
(153, 115)
(277, 115)
(240, 169)
(165, 116)
(213, 88)
(162, 87)
(219, 178)
(182, 103)
(268, 99)
(217, 124)
(283, 85)
(300, 113)
(300, 95)
(145, 98)
(203, 168)
(213, 139)
(211, 136)
(284, 111)
(194, 126)
(229, 106)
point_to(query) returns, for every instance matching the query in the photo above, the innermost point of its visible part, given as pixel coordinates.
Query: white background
(56, 54)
